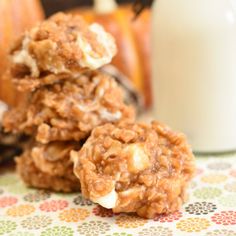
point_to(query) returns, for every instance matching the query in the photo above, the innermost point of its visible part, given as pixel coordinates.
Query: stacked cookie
(83, 134)
(56, 63)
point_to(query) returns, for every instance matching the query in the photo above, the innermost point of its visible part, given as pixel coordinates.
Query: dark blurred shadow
(52, 6)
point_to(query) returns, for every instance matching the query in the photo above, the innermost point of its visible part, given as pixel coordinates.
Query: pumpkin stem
(104, 6)
(140, 5)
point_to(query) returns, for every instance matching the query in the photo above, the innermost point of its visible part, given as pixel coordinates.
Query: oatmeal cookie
(70, 109)
(54, 158)
(135, 168)
(49, 167)
(63, 44)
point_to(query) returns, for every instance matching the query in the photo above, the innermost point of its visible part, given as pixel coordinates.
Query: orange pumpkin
(16, 17)
(132, 37)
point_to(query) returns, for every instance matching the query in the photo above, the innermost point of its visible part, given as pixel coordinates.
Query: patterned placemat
(210, 210)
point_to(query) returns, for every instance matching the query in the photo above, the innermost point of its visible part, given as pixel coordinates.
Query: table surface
(210, 210)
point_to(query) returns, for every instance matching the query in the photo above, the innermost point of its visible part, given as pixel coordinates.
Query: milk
(194, 70)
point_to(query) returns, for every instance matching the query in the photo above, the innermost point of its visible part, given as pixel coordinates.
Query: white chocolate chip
(108, 201)
(90, 58)
(24, 57)
(106, 115)
(138, 160)
(74, 158)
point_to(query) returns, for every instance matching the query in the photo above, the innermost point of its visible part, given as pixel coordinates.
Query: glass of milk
(194, 70)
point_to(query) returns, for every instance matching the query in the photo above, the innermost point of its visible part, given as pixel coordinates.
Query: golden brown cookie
(70, 109)
(135, 168)
(49, 167)
(63, 44)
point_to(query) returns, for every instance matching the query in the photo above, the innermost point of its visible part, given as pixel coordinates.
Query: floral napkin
(210, 210)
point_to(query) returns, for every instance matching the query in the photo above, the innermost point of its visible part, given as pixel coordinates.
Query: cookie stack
(83, 134)
(57, 64)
